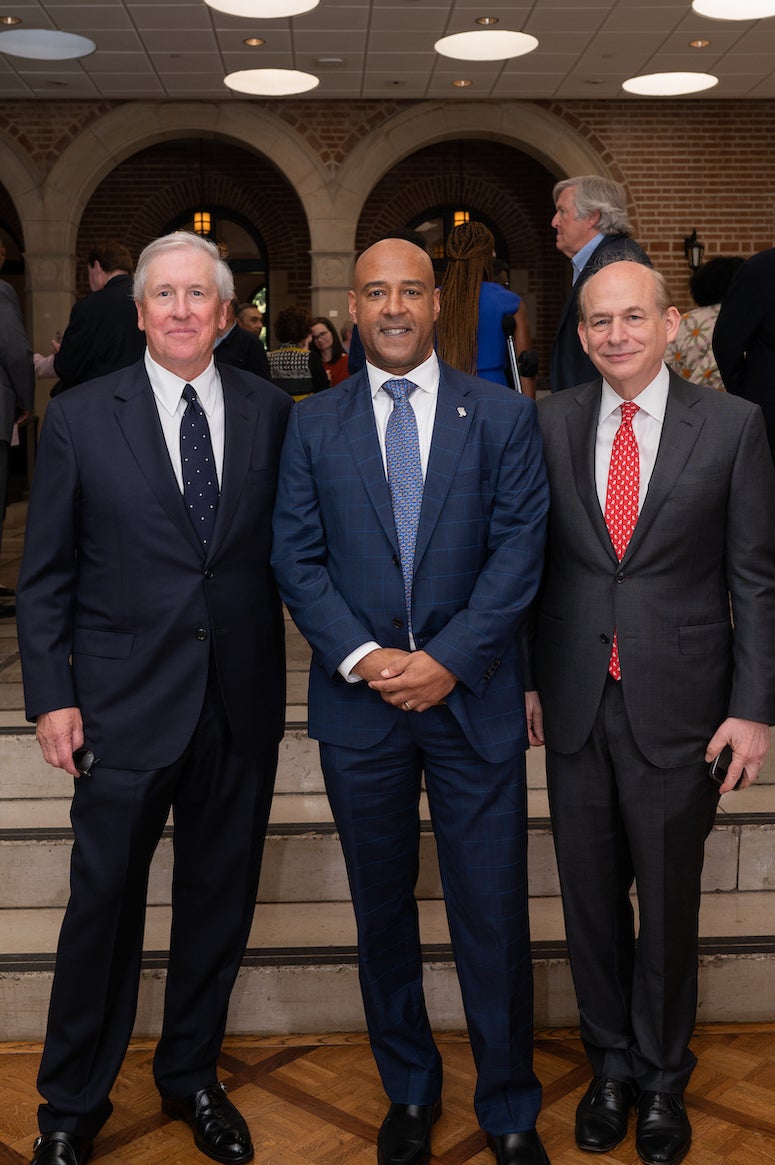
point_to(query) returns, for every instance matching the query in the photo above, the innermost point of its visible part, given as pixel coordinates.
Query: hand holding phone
(717, 770)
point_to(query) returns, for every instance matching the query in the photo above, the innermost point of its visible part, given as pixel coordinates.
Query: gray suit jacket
(705, 536)
(17, 372)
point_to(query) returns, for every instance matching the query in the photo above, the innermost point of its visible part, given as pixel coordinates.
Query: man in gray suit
(660, 523)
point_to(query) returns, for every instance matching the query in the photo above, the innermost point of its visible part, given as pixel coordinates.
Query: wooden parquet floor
(317, 1100)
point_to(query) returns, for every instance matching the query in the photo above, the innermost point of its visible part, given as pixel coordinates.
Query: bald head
(395, 303)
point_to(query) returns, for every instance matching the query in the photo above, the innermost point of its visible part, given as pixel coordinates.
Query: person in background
(691, 352)
(240, 347)
(17, 388)
(325, 338)
(102, 334)
(292, 366)
(250, 318)
(151, 641)
(593, 229)
(469, 332)
(744, 336)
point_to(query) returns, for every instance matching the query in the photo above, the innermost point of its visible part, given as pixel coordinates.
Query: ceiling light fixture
(263, 9)
(10, 20)
(45, 44)
(254, 42)
(271, 82)
(487, 21)
(669, 84)
(699, 44)
(486, 45)
(462, 84)
(734, 9)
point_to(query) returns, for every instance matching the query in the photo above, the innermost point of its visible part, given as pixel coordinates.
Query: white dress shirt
(423, 401)
(168, 395)
(646, 425)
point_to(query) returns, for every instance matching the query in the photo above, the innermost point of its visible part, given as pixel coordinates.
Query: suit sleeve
(46, 592)
(72, 360)
(477, 636)
(15, 354)
(750, 565)
(740, 317)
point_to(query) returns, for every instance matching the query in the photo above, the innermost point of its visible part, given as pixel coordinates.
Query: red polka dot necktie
(621, 499)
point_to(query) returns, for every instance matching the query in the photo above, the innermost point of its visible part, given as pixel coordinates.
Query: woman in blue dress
(470, 329)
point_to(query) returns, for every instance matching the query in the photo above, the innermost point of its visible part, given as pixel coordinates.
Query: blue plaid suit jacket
(478, 558)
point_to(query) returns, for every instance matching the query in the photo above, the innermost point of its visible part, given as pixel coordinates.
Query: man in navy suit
(593, 229)
(155, 646)
(430, 683)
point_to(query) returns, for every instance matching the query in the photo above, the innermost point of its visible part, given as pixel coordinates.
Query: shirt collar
(652, 400)
(168, 387)
(581, 257)
(425, 376)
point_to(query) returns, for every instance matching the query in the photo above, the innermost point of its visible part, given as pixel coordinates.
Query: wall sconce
(202, 222)
(694, 250)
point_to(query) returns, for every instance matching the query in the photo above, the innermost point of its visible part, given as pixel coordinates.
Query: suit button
(201, 633)
(604, 639)
(621, 576)
(209, 574)
(398, 624)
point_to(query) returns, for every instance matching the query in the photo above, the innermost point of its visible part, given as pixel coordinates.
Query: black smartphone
(85, 760)
(718, 767)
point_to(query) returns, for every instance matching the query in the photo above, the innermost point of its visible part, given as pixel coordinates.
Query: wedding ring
(407, 705)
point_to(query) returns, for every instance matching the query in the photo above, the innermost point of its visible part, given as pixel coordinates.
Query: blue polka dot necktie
(404, 469)
(200, 481)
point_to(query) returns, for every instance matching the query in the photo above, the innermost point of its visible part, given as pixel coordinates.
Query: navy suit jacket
(119, 608)
(693, 599)
(101, 336)
(569, 363)
(477, 562)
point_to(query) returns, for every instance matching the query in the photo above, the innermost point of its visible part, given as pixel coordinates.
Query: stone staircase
(300, 971)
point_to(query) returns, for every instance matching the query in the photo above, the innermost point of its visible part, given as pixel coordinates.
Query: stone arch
(536, 131)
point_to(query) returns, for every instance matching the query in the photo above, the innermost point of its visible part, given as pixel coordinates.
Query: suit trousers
(480, 821)
(220, 803)
(616, 818)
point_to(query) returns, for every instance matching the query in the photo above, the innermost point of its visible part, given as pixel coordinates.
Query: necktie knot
(629, 409)
(189, 395)
(399, 389)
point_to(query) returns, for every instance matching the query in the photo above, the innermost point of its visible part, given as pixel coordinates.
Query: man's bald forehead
(391, 250)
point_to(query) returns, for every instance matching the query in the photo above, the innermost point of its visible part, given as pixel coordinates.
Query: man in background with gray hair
(592, 230)
(151, 638)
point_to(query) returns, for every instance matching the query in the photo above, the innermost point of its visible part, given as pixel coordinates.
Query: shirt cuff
(345, 668)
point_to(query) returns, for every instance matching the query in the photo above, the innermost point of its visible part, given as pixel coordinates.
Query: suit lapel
(680, 430)
(241, 413)
(581, 427)
(455, 411)
(139, 421)
(360, 430)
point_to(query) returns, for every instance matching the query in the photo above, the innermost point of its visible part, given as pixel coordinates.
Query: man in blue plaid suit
(431, 687)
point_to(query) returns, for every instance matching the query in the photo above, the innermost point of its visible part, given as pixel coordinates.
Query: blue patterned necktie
(404, 470)
(200, 481)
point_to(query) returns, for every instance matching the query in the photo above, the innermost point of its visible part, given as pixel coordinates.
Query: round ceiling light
(45, 44)
(263, 9)
(486, 44)
(669, 84)
(271, 82)
(734, 9)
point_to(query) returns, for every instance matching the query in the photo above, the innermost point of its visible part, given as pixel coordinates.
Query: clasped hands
(412, 680)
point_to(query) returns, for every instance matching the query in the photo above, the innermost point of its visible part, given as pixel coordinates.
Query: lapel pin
(461, 412)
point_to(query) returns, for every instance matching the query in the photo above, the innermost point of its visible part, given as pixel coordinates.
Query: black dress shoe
(601, 1117)
(219, 1130)
(405, 1136)
(663, 1135)
(60, 1149)
(518, 1148)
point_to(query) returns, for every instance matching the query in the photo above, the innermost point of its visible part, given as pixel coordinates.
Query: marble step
(300, 970)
